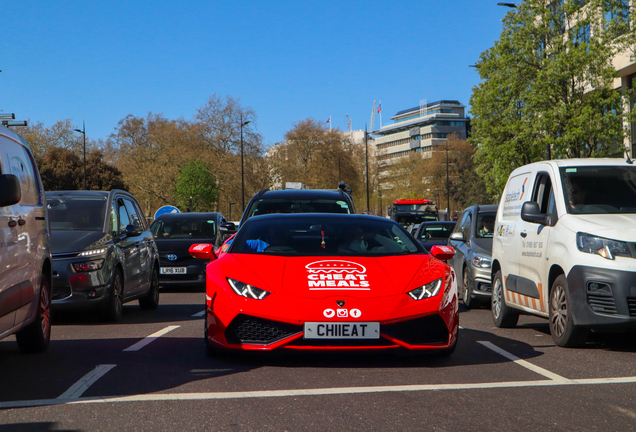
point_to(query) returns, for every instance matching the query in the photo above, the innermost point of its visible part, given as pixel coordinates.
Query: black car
(103, 252)
(174, 233)
(432, 234)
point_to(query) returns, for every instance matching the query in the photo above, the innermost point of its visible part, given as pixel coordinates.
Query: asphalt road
(150, 372)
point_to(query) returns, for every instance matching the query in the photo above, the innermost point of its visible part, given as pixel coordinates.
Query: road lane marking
(142, 343)
(199, 314)
(541, 371)
(78, 389)
(154, 397)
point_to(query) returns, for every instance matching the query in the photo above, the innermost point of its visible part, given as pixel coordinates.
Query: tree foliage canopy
(196, 182)
(548, 83)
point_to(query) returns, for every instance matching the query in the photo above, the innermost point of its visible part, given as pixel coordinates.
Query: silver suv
(25, 257)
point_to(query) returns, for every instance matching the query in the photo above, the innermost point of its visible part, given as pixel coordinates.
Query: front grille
(61, 292)
(246, 329)
(65, 255)
(420, 331)
(631, 303)
(602, 303)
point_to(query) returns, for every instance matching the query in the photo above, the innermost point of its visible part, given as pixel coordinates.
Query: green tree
(548, 87)
(197, 182)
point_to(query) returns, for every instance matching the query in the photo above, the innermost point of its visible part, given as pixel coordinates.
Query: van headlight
(601, 246)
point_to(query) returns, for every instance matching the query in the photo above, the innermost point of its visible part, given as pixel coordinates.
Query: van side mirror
(530, 212)
(11, 192)
(227, 228)
(458, 236)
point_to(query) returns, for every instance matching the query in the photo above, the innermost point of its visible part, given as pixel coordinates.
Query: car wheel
(467, 290)
(503, 315)
(36, 336)
(151, 301)
(210, 351)
(562, 328)
(114, 309)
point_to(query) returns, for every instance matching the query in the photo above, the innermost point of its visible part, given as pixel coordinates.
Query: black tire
(151, 300)
(562, 328)
(503, 315)
(35, 337)
(114, 310)
(210, 351)
(448, 351)
(467, 290)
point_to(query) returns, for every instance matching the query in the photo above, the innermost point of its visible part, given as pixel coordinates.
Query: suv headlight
(247, 290)
(482, 261)
(90, 253)
(601, 246)
(429, 290)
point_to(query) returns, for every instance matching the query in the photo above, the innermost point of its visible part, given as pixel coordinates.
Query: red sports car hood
(321, 277)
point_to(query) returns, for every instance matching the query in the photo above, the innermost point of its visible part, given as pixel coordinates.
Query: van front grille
(602, 303)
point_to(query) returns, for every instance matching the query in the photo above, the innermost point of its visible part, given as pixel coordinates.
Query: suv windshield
(314, 236)
(267, 206)
(436, 232)
(183, 228)
(76, 213)
(599, 189)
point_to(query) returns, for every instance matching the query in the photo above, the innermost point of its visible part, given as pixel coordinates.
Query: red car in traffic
(328, 282)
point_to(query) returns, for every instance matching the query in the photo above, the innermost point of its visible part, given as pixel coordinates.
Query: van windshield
(599, 189)
(76, 213)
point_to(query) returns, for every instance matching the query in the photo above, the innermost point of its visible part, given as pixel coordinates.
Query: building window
(632, 104)
(581, 34)
(617, 16)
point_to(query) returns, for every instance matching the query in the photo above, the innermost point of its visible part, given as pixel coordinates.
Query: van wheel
(467, 290)
(151, 301)
(562, 328)
(503, 315)
(114, 309)
(36, 336)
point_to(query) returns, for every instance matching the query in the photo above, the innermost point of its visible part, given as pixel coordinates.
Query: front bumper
(86, 290)
(250, 331)
(482, 283)
(613, 307)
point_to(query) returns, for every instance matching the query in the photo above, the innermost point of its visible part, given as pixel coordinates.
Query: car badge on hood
(340, 303)
(172, 257)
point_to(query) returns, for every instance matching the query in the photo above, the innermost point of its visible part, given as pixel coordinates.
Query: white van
(565, 247)
(25, 257)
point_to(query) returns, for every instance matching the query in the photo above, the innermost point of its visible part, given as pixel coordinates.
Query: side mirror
(459, 236)
(227, 228)
(133, 230)
(11, 192)
(530, 212)
(203, 251)
(443, 253)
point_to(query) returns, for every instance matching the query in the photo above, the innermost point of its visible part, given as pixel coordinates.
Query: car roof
(192, 215)
(425, 224)
(487, 208)
(329, 216)
(301, 194)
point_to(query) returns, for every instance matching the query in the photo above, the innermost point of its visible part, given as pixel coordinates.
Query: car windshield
(485, 225)
(315, 236)
(436, 232)
(267, 206)
(184, 228)
(599, 189)
(76, 213)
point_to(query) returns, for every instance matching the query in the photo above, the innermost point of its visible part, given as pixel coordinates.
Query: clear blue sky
(99, 61)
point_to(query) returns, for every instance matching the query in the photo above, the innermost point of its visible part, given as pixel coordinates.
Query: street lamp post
(83, 132)
(242, 170)
(447, 183)
(380, 196)
(231, 210)
(366, 148)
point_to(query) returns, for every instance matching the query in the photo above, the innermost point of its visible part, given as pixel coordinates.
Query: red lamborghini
(328, 282)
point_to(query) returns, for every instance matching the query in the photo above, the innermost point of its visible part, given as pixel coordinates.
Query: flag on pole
(328, 121)
(380, 108)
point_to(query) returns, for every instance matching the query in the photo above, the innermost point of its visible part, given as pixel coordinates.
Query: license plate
(173, 270)
(342, 330)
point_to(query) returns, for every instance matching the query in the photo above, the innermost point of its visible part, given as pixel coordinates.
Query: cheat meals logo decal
(336, 275)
